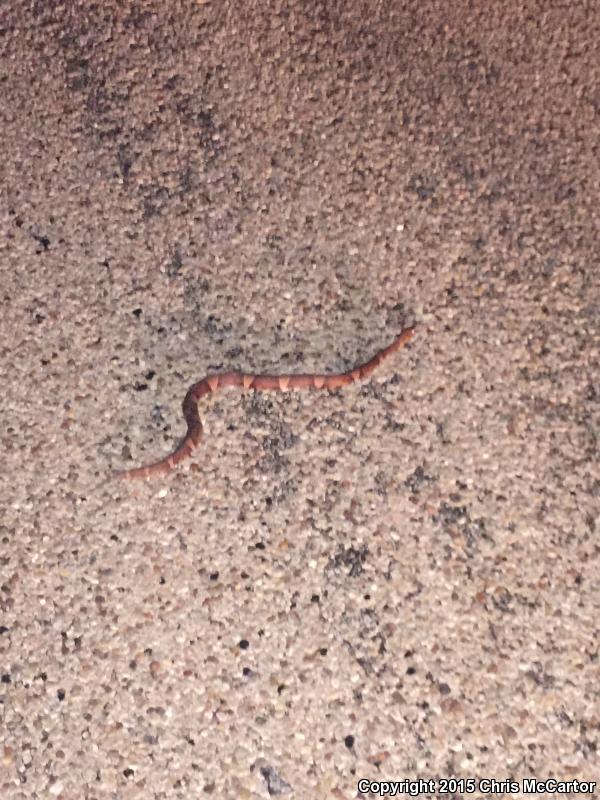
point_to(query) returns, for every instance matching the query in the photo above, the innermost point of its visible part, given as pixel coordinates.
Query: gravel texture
(398, 580)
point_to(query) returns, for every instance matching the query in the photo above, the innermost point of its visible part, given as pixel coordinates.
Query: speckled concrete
(395, 581)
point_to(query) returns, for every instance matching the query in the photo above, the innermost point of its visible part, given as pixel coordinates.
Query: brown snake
(262, 383)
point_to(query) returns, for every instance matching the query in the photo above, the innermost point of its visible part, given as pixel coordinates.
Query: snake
(261, 383)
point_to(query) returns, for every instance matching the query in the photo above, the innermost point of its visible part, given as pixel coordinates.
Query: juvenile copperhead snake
(261, 383)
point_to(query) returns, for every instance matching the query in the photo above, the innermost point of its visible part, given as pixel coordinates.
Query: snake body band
(261, 383)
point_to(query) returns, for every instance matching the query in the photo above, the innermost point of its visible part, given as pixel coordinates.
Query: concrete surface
(396, 581)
